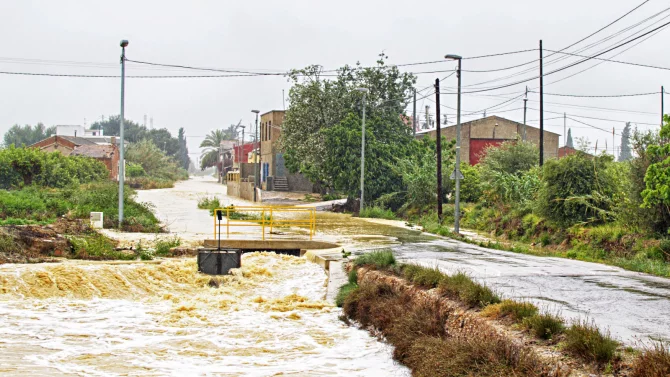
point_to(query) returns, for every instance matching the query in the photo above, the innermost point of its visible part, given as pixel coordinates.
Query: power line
(117, 76)
(598, 96)
(606, 26)
(580, 50)
(615, 61)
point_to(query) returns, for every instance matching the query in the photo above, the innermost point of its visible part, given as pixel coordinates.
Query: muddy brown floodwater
(149, 319)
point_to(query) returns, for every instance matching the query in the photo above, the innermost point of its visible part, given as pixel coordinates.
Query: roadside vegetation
(416, 327)
(39, 187)
(148, 167)
(584, 207)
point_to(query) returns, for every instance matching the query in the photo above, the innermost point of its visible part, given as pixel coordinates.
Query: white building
(77, 131)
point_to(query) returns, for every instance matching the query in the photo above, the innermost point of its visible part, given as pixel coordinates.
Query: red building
(246, 149)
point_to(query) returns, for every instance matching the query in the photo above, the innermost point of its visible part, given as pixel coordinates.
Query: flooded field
(165, 319)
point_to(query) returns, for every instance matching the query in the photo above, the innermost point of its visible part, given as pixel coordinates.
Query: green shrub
(379, 259)
(377, 213)
(578, 188)
(344, 292)
(97, 247)
(517, 311)
(584, 339)
(8, 244)
(544, 326)
(471, 293)
(422, 276)
(23, 167)
(134, 170)
(163, 246)
(353, 276)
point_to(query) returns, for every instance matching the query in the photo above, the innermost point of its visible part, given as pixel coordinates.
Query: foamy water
(95, 319)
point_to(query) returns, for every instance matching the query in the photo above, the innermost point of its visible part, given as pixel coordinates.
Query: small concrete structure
(218, 257)
(296, 248)
(96, 220)
(219, 262)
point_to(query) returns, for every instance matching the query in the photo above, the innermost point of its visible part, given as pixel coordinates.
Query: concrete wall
(247, 191)
(298, 182)
(233, 188)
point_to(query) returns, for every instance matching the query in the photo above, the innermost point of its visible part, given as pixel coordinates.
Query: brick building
(479, 134)
(104, 150)
(107, 154)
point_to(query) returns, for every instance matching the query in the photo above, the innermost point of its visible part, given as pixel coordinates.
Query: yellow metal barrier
(265, 217)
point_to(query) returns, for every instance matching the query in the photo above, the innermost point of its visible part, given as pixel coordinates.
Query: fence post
(227, 223)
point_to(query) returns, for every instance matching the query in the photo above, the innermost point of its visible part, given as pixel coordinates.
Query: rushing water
(164, 319)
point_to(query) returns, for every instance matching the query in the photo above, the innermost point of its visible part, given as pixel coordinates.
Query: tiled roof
(95, 151)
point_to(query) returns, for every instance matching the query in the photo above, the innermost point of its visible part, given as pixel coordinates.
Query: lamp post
(122, 161)
(258, 161)
(457, 170)
(365, 91)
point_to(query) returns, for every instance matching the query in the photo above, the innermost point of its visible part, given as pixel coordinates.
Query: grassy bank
(610, 244)
(416, 327)
(39, 205)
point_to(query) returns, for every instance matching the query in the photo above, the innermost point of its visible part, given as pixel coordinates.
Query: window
(270, 129)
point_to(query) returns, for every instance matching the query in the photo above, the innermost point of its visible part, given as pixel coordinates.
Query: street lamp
(365, 91)
(122, 170)
(457, 170)
(258, 161)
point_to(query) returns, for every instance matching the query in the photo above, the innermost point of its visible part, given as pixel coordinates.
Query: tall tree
(182, 155)
(625, 152)
(27, 135)
(317, 104)
(211, 145)
(134, 133)
(569, 143)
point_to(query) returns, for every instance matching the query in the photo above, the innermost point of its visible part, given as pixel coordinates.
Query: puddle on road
(268, 318)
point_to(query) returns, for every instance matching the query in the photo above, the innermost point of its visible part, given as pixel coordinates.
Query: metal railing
(265, 217)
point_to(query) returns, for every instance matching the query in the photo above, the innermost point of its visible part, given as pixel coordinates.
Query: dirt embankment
(449, 323)
(39, 243)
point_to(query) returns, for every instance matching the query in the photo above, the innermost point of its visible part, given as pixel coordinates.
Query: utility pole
(541, 107)
(439, 151)
(283, 100)
(257, 151)
(414, 114)
(525, 103)
(364, 91)
(565, 127)
(484, 113)
(457, 170)
(122, 161)
(662, 104)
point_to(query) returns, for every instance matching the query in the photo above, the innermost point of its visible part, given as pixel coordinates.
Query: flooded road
(634, 306)
(148, 319)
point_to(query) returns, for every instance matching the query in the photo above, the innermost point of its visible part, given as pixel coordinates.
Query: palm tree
(210, 154)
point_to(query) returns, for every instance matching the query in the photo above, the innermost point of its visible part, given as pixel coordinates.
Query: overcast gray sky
(280, 35)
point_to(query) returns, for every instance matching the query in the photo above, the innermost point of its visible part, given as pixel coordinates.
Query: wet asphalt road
(635, 307)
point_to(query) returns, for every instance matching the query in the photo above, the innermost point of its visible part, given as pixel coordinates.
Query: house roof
(94, 151)
(488, 117)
